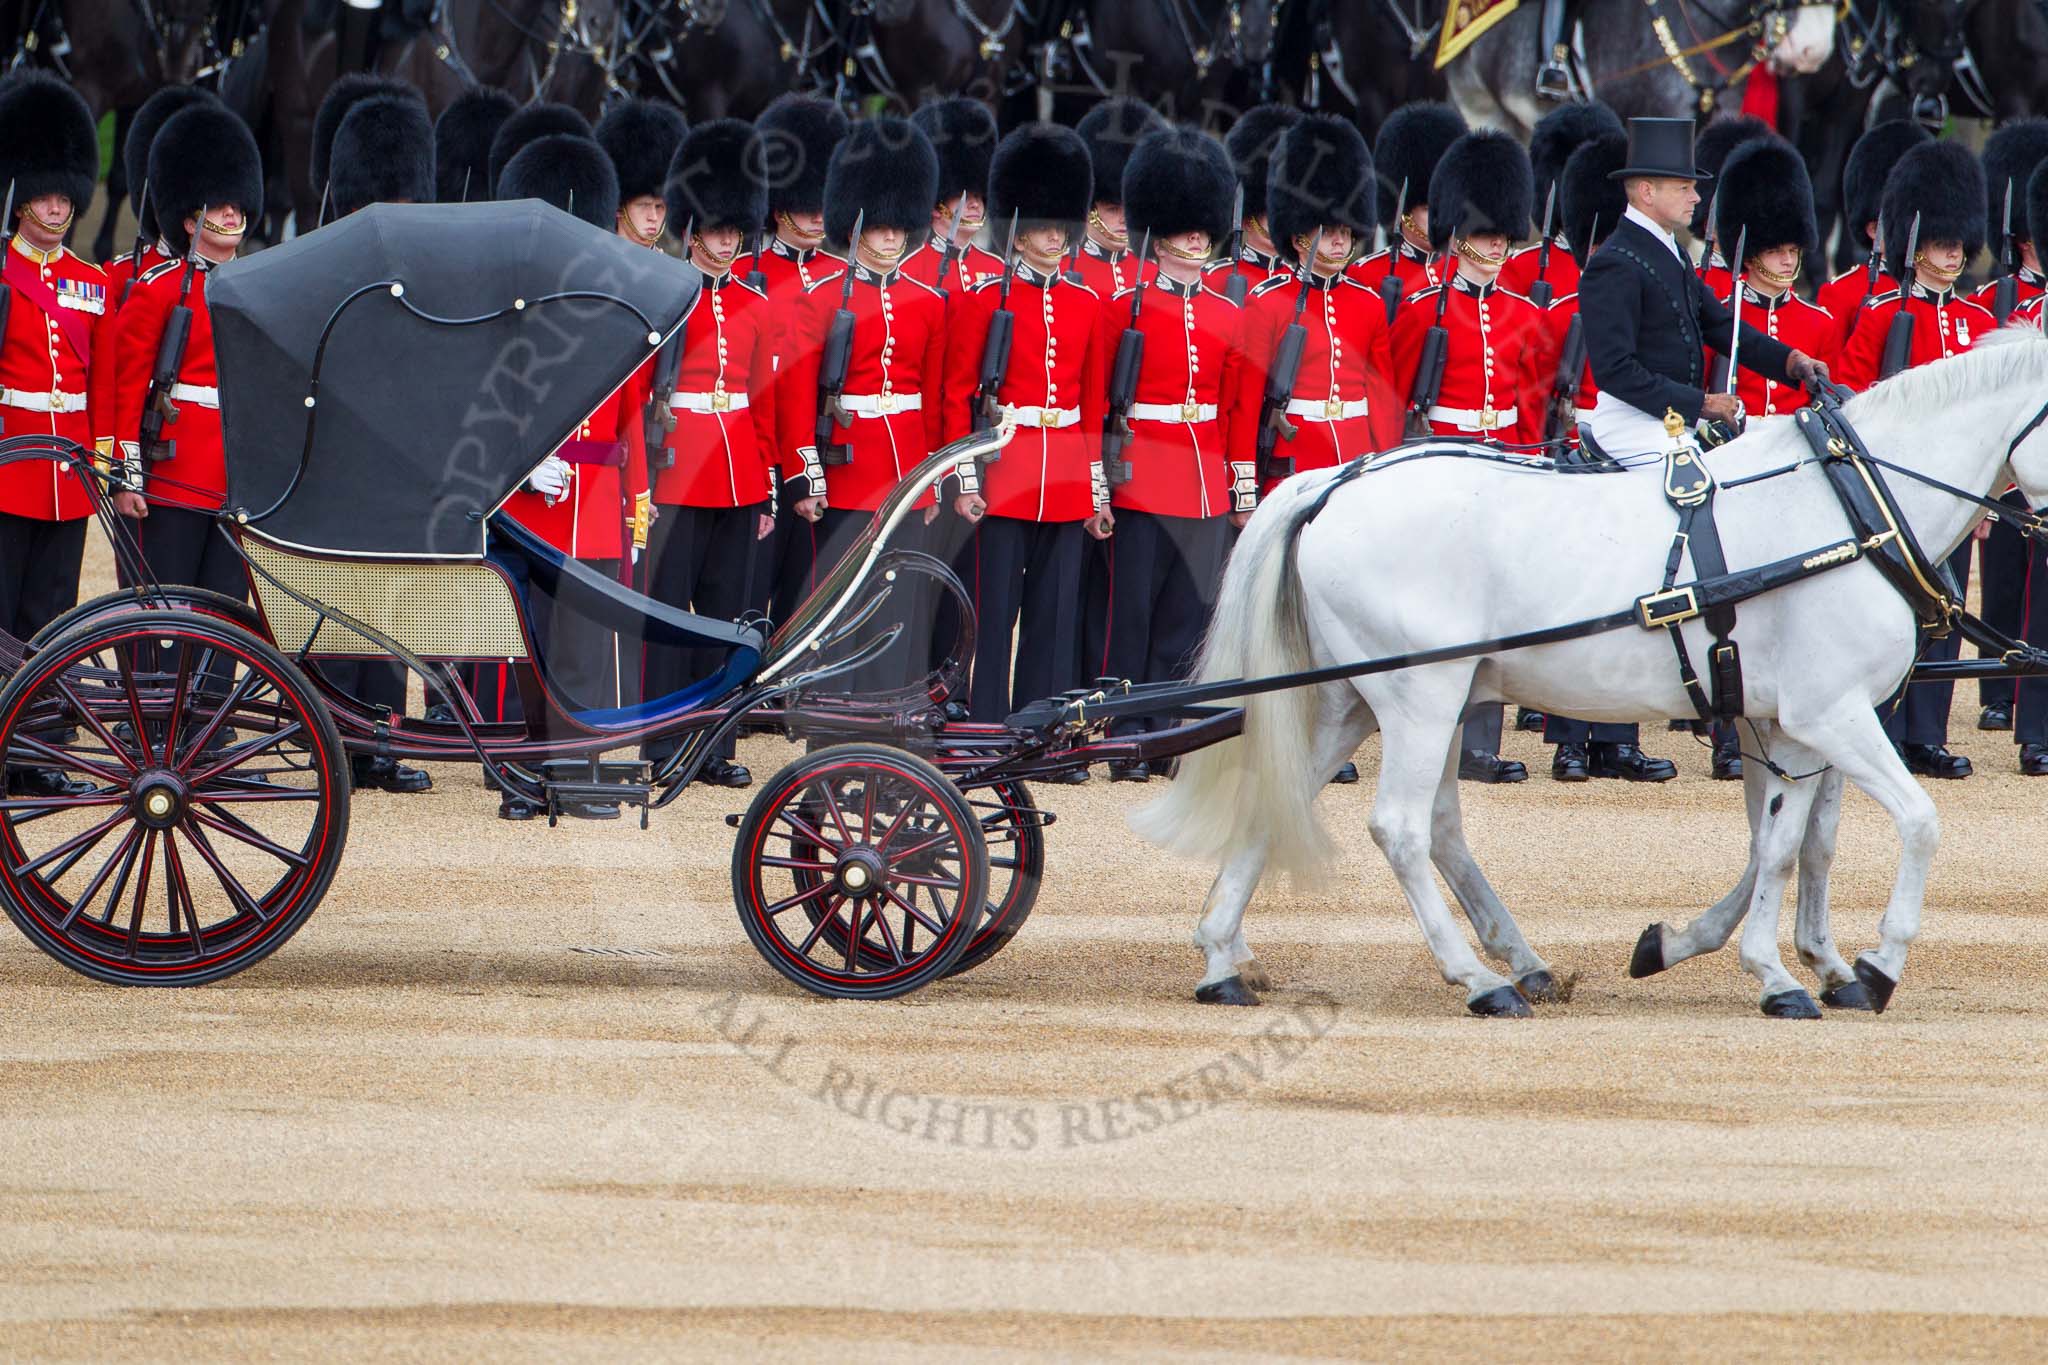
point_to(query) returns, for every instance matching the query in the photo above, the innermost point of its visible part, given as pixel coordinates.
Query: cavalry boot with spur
(1477, 765)
(1568, 764)
(1628, 763)
(1934, 760)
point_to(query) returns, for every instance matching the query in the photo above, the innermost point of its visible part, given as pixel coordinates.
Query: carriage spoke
(896, 824)
(799, 898)
(867, 807)
(829, 918)
(178, 700)
(243, 752)
(832, 806)
(889, 936)
(46, 804)
(803, 827)
(943, 837)
(69, 759)
(124, 660)
(234, 699)
(228, 881)
(141, 894)
(121, 881)
(937, 883)
(915, 913)
(227, 824)
(85, 840)
(176, 888)
(860, 914)
(267, 793)
(120, 857)
(806, 864)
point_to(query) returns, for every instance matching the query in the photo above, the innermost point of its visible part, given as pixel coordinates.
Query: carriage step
(574, 783)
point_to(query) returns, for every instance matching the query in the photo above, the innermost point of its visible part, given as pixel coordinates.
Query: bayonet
(1735, 299)
(1390, 283)
(1235, 284)
(951, 250)
(1540, 291)
(2006, 296)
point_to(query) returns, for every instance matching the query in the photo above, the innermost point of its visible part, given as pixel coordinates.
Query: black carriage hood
(421, 427)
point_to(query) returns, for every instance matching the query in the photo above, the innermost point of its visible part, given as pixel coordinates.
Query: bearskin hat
(1113, 129)
(885, 168)
(1252, 142)
(1589, 199)
(203, 157)
(1410, 143)
(798, 136)
(2010, 155)
(1041, 173)
(963, 135)
(1870, 165)
(1943, 184)
(383, 153)
(1717, 142)
(1179, 180)
(568, 171)
(2037, 204)
(530, 124)
(1321, 173)
(142, 130)
(1765, 199)
(641, 137)
(1563, 131)
(1483, 184)
(344, 95)
(48, 141)
(714, 179)
(462, 143)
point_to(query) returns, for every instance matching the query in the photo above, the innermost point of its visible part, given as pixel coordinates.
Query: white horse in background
(1427, 553)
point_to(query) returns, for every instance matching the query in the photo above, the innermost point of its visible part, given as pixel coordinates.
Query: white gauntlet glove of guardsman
(551, 479)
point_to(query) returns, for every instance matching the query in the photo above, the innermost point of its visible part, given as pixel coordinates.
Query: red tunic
(1556, 324)
(970, 265)
(607, 470)
(786, 272)
(45, 363)
(1840, 296)
(1521, 270)
(1788, 318)
(1494, 382)
(1943, 325)
(122, 272)
(1718, 278)
(723, 442)
(1192, 444)
(1057, 383)
(1344, 400)
(195, 475)
(2027, 288)
(1417, 269)
(1108, 272)
(1255, 266)
(892, 388)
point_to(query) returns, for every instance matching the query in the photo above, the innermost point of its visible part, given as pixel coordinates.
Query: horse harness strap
(1689, 487)
(1875, 520)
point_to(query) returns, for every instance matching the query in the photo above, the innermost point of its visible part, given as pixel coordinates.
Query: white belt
(1045, 417)
(1474, 419)
(880, 404)
(1330, 410)
(55, 401)
(205, 395)
(1582, 415)
(1172, 412)
(708, 402)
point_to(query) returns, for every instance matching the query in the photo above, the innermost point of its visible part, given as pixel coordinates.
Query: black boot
(1996, 716)
(45, 782)
(1477, 765)
(1628, 763)
(1138, 771)
(1934, 760)
(2034, 760)
(723, 772)
(1568, 764)
(1728, 760)
(1345, 775)
(1525, 719)
(385, 774)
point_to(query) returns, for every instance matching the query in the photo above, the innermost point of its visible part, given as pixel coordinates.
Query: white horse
(1429, 553)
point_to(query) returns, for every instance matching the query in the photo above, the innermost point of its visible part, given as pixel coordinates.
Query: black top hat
(1660, 148)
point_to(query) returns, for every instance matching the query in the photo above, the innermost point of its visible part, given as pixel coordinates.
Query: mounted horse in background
(729, 58)
(906, 51)
(1935, 58)
(1671, 58)
(1196, 61)
(1370, 55)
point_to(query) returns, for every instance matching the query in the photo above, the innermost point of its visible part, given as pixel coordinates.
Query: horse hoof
(1876, 982)
(1648, 958)
(1253, 975)
(1850, 995)
(1540, 987)
(1792, 1004)
(1231, 990)
(1502, 1002)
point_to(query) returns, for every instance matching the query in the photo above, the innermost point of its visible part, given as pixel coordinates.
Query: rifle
(995, 347)
(1429, 371)
(1898, 341)
(1539, 289)
(6, 245)
(157, 407)
(1390, 283)
(135, 253)
(1871, 269)
(756, 280)
(1571, 367)
(838, 354)
(1235, 284)
(950, 252)
(1723, 376)
(2006, 296)
(1123, 382)
(661, 418)
(1280, 376)
(1074, 260)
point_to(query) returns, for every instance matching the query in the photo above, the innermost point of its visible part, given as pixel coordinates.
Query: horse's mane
(2015, 355)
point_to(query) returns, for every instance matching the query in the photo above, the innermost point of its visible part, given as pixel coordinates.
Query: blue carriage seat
(528, 559)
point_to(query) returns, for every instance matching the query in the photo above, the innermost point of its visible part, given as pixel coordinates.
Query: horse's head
(183, 36)
(1251, 25)
(1797, 39)
(1933, 33)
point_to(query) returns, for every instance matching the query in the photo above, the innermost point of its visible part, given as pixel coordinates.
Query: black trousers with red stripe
(2030, 713)
(39, 563)
(705, 560)
(1918, 712)
(1162, 575)
(1023, 577)
(2002, 561)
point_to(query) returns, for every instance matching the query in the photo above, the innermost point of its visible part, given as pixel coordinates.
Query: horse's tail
(1259, 788)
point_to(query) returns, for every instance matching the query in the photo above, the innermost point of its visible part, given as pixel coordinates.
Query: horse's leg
(1234, 976)
(1779, 836)
(1413, 745)
(1662, 946)
(1491, 920)
(1811, 933)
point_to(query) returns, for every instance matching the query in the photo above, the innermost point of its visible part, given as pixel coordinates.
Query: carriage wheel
(217, 801)
(1011, 827)
(170, 597)
(860, 872)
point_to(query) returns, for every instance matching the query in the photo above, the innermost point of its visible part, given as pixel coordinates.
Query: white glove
(551, 479)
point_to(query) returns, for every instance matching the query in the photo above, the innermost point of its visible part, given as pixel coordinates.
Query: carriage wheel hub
(158, 799)
(859, 872)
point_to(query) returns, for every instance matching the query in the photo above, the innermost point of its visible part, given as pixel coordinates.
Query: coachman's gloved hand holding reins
(1805, 371)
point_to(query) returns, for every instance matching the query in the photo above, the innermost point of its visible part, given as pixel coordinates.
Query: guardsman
(1717, 142)
(1343, 404)
(1766, 202)
(1251, 142)
(529, 124)
(1029, 508)
(49, 158)
(1191, 450)
(1493, 384)
(641, 137)
(713, 512)
(854, 436)
(1112, 130)
(1558, 134)
(963, 136)
(462, 144)
(1864, 175)
(2030, 712)
(798, 135)
(205, 178)
(1933, 225)
(1410, 143)
(2010, 156)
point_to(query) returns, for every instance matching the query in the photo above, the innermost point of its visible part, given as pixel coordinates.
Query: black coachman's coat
(1647, 317)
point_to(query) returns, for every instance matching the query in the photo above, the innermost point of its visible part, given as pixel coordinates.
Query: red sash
(27, 281)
